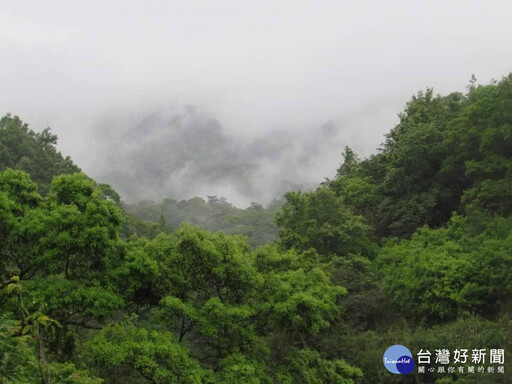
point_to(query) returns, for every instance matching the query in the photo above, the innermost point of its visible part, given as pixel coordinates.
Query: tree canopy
(409, 246)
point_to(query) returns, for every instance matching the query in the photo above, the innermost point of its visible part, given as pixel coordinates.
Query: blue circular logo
(398, 360)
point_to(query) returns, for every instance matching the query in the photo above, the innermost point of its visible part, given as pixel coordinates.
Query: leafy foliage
(320, 220)
(409, 246)
(452, 271)
(255, 222)
(125, 353)
(23, 149)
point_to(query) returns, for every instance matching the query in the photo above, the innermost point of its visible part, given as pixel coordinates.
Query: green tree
(449, 272)
(479, 142)
(129, 354)
(18, 197)
(23, 149)
(81, 229)
(212, 290)
(320, 220)
(306, 366)
(350, 164)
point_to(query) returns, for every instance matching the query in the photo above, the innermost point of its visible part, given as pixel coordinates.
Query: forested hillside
(256, 222)
(410, 246)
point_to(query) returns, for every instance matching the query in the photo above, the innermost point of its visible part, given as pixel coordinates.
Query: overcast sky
(255, 66)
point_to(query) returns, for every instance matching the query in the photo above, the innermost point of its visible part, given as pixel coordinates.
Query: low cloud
(183, 152)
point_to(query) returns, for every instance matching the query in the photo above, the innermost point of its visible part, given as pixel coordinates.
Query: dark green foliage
(22, 148)
(411, 246)
(470, 332)
(17, 362)
(480, 140)
(447, 154)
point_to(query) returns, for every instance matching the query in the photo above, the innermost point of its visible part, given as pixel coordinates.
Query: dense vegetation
(23, 149)
(255, 222)
(410, 246)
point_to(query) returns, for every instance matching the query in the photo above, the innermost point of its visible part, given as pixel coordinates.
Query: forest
(411, 245)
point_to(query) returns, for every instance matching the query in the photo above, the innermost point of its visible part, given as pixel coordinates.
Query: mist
(243, 100)
(182, 152)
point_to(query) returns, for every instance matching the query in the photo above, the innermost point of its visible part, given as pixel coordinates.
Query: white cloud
(256, 66)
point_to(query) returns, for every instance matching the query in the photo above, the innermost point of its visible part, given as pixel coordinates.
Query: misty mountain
(184, 152)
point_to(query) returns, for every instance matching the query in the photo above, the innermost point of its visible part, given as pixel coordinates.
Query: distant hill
(23, 149)
(182, 152)
(255, 222)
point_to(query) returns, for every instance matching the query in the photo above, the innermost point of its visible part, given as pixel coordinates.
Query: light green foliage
(73, 230)
(237, 368)
(60, 246)
(270, 258)
(18, 197)
(71, 301)
(298, 295)
(212, 264)
(140, 276)
(359, 193)
(320, 220)
(81, 228)
(20, 189)
(306, 366)
(301, 302)
(125, 353)
(446, 272)
(223, 300)
(212, 290)
(228, 327)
